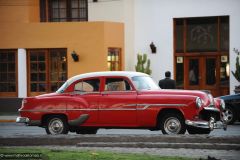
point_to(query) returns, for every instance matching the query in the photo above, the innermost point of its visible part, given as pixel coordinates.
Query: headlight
(199, 102)
(222, 104)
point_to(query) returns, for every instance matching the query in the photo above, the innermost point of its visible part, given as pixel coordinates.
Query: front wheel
(173, 123)
(230, 115)
(56, 125)
(195, 130)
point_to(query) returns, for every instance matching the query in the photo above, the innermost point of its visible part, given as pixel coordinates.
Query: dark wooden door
(202, 74)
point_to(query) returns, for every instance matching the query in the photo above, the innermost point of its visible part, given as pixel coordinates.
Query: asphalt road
(11, 129)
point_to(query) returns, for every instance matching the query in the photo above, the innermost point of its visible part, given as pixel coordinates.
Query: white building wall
(149, 21)
(106, 10)
(117, 11)
(154, 22)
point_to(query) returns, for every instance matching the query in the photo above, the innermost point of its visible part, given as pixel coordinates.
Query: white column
(22, 73)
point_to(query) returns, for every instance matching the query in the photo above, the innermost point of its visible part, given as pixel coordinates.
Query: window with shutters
(63, 10)
(8, 73)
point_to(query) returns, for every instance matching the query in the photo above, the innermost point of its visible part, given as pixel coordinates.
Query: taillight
(24, 101)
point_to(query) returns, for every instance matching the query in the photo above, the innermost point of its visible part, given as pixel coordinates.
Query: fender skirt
(80, 120)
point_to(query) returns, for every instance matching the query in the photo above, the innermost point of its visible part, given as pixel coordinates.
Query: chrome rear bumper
(211, 124)
(22, 120)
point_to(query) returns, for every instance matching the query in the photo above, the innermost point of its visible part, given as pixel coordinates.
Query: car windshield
(62, 88)
(144, 83)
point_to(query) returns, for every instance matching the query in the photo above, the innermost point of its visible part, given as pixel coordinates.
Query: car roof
(128, 74)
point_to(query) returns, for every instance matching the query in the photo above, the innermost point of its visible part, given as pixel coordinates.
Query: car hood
(200, 94)
(203, 95)
(230, 97)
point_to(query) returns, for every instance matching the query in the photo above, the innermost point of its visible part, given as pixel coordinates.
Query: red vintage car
(121, 99)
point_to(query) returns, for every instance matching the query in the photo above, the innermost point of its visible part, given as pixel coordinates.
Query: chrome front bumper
(211, 124)
(22, 120)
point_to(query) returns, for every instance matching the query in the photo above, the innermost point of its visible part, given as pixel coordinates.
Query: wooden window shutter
(43, 15)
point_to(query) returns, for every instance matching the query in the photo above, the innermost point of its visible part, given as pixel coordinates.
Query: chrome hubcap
(55, 126)
(228, 115)
(172, 125)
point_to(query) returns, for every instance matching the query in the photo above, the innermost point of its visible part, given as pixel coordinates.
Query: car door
(85, 100)
(117, 105)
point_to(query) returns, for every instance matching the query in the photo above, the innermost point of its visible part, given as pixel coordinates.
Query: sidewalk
(7, 118)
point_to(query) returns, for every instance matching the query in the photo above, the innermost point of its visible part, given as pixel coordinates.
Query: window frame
(184, 54)
(46, 11)
(12, 94)
(85, 79)
(59, 50)
(113, 62)
(118, 77)
(47, 70)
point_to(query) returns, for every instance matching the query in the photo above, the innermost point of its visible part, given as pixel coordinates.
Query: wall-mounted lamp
(227, 69)
(153, 48)
(95, 0)
(75, 56)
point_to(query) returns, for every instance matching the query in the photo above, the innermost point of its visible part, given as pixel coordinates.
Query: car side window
(91, 85)
(117, 84)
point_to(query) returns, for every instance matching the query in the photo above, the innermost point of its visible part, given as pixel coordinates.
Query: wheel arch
(165, 111)
(45, 117)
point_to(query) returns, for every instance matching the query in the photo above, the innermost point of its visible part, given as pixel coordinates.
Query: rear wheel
(173, 123)
(195, 130)
(56, 125)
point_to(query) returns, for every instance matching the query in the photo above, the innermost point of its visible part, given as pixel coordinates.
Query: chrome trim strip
(175, 105)
(145, 106)
(211, 109)
(114, 92)
(119, 109)
(206, 124)
(22, 120)
(130, 105)
(199, 124)
(160, 105)
(83, 93)
(82, 109)
(45, 110)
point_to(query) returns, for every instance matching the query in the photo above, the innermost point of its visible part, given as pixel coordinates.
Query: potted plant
(236, 73)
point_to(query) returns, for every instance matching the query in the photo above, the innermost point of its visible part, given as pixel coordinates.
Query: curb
(7, 120)
(215, 146)
(133, 141)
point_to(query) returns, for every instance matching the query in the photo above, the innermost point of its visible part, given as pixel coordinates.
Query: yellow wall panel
(19, 11)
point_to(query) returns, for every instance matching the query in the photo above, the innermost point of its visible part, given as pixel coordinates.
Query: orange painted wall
(88, 39)
(114, 39)
(19, 11)
(20, 27)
